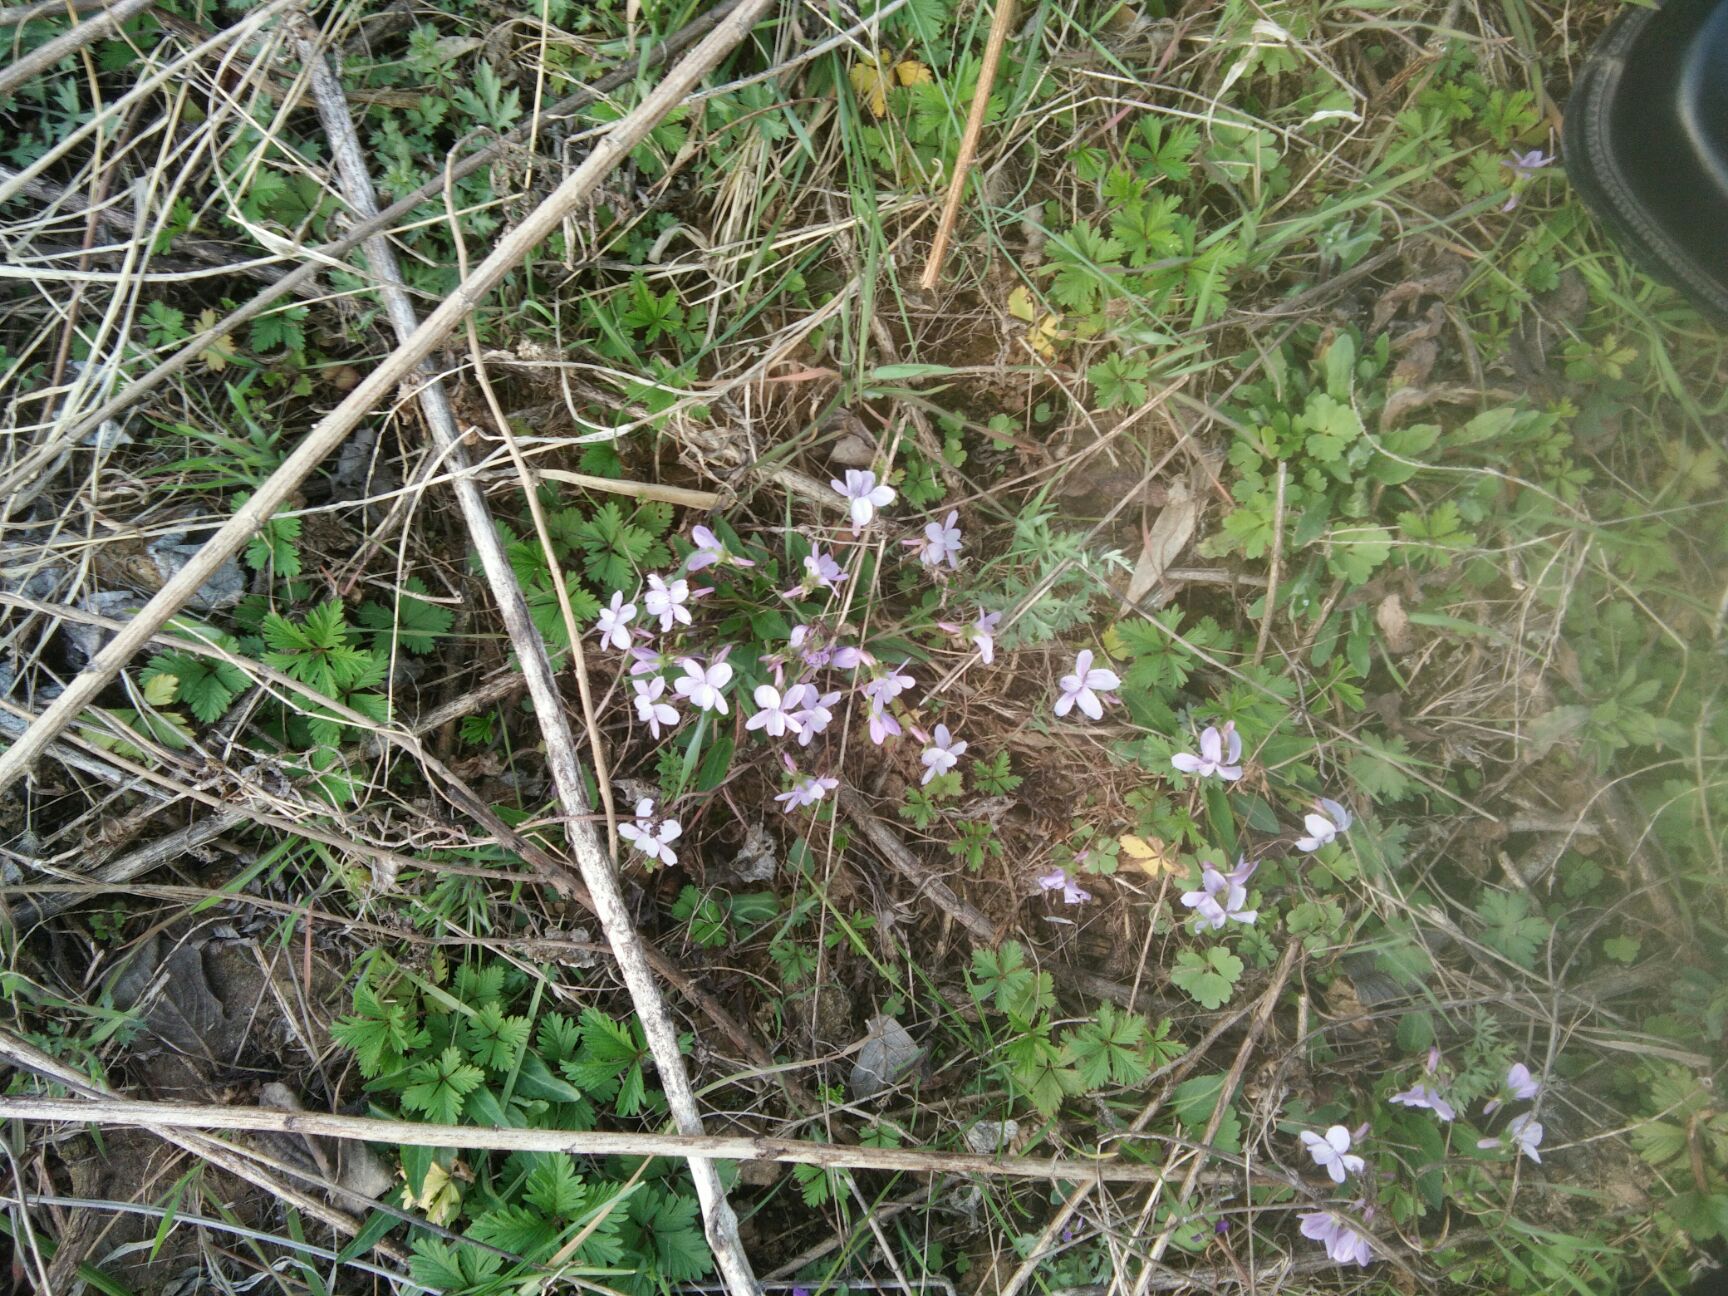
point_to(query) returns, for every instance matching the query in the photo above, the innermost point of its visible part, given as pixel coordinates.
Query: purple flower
(1215, 912)
(863, 496)
(942, 755)
(882, 725)
(1520, 1085)
(1087, 687)
(820, 572)
(806, 790)
(981, 634)
(650, 838)
(710, 549)
(1426, 1096)
(1343, 1243)
(1524, 166)
(666, 600)
(1331, 1151)
(1323, 825)
(1072, 892)
(1525, 1131)
(613, 623)
(814, 710)
(649, 708)
(1220, 750)
(773, 717)
(884, 688)
(702, 684)
(648, 661)
(941, 542)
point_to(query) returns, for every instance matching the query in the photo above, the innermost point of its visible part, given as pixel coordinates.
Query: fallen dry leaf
(1165, 541)
(1394, 623)
(1152, 858)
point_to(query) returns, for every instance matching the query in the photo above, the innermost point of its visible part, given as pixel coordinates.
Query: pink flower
(1520, 1085)
(1220, 749)
(806, 790)
(1426, 1096)
(774, 717)
(1072, 892)
(649, 708)
(863, 496)
(666, 600)
(1087, 687)
(648, 661)
(613, 623)
(814, 710)
(820, 572)
(652, 839)
(942, 755)
(884, 688)
(1323, 825)
(882, 725)
(1331, 1151)
(710, 549)
(702, 685)
(1214, 913)
(981, 634)
(1343, 1243)
(1525, 1131)
(941, 542)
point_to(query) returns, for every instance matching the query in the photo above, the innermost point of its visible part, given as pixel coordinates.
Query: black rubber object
(1646, 143)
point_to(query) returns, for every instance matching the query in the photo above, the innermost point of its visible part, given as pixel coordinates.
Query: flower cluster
(1344, 1241)
(795, 704)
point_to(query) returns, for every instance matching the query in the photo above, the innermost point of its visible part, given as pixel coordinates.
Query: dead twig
(968, 142)
(892, 849)
(731, 1147)
(45, 56)
(592, 858)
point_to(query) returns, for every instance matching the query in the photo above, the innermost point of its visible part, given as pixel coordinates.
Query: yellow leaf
(1043, 336)
(161, 690)
(870, 80)
(217, 355)
(910, 72)
(1152, 858)
(1020, 304)
(439, 1196)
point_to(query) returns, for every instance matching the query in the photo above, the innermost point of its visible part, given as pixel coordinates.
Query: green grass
(1454, 514)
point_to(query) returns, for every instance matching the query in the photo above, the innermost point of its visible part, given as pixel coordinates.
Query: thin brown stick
(730, 1147)
(592, 857)
(968, 142)
(1273, 567)
(892, 849)
(23, 1054)
(43, 57)
(1262, 1014)
(329, 433)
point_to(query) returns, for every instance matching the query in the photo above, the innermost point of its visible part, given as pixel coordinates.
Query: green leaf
(671, 1235)
(1510, 927)
(439, 1087)
(416, 623)
(494, 1040)
(1002, 977)
(1207, 978)
(207, 686)
(1110, 1050)
(1040, 1070)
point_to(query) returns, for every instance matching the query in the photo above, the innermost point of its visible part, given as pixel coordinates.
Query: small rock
(887, 1051)
(989, 1137)
(756, 860)
(853, 451)
(224, 589)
